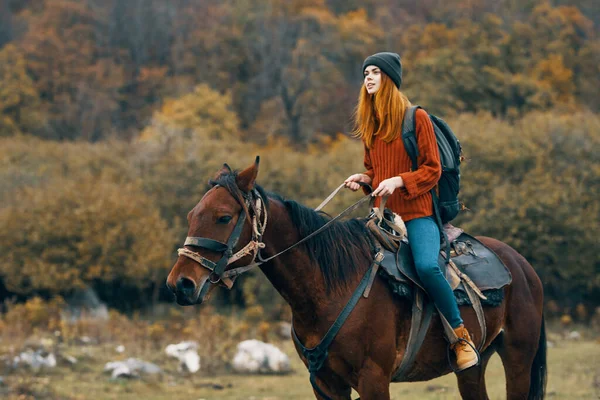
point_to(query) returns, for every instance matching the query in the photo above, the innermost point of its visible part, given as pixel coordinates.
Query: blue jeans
(424, 238)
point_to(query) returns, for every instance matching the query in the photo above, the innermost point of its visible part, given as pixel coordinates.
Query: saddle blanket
(471, 257)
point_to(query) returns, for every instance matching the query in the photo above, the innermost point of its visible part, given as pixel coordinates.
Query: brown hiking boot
(466, 356)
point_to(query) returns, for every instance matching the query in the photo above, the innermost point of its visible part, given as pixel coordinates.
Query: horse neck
(295, 275)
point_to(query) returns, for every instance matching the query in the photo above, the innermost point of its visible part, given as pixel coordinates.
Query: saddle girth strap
(475, 297)
(317, 355)
(476, 302)
(422, 312)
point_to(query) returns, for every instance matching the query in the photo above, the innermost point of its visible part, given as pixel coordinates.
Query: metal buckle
(210, 278)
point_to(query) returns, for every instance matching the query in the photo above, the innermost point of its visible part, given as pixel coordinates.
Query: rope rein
(255, 245)
(240, 270)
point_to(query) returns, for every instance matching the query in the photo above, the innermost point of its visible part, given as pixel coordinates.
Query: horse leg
(471, 382)
(522, 342)
(335, 389)
(373, 382)
(519, 352)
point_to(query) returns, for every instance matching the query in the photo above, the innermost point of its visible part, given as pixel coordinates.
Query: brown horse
(318, 277)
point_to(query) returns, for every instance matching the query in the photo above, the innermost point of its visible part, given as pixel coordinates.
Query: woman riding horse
(318, 264)
(236, 219)
(379, 115)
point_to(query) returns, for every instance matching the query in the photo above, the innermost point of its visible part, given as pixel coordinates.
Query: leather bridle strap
(218, 272)
(226, 249)
(233, 239)
(217, 268)
(205, 262)
(210, 244)
(240, 270)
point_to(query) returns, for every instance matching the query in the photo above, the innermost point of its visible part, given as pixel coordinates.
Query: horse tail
(539, 369)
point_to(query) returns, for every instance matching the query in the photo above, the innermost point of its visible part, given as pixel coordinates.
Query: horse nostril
(170, 287)
(186, 285)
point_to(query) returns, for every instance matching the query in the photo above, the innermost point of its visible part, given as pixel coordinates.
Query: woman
(378, 121)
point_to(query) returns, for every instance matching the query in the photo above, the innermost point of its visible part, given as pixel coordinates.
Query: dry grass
(573, 366)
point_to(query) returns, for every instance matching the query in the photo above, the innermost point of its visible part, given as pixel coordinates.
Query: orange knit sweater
(386, 160)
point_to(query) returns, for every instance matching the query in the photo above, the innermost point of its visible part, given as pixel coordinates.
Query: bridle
(252, 200)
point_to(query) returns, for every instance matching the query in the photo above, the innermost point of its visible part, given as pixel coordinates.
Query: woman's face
(372, 79)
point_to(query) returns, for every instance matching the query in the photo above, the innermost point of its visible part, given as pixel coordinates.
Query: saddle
(475, 273)
(473, 264)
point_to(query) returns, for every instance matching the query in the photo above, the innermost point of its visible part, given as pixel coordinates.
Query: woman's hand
(387, 187)
(351, 182)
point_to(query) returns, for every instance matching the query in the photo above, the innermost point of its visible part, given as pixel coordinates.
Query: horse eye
(224, 220)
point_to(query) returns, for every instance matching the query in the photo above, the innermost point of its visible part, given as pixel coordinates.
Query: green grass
(573, 368)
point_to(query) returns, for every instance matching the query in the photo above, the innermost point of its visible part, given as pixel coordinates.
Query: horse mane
(338, 251)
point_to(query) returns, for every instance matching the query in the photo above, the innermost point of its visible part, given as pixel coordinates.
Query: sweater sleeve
(421, 181)
(368, 167)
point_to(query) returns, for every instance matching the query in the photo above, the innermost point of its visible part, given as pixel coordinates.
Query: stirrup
(456, 370)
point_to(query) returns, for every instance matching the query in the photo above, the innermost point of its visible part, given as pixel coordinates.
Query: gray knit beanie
(389, 63)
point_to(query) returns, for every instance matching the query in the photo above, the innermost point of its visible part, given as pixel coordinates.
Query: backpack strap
(445, 243)
(409, 128)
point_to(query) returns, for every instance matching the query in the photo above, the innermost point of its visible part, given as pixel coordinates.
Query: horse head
(224, 231)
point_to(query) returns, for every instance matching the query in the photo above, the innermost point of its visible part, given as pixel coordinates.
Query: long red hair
(380, 113)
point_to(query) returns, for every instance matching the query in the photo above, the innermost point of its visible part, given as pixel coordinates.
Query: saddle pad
(478, 262)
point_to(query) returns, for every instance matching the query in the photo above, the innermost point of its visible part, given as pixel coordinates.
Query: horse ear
(246, 179)
(225, 170)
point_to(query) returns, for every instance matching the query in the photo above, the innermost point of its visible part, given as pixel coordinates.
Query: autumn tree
(508, 71)
(535, 185)
(319, 54)
(68, 234)
(19, 99)
(292, 67)
(66, 54)
(283, 61)
(187, 141)
(201, 114)
(6, 30)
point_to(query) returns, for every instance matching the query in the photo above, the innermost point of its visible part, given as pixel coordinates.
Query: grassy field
(574, 373)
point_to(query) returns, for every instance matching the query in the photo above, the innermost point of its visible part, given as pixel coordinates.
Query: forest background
(114, 115)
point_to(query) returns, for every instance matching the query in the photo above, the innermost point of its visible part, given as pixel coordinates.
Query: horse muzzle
(188, 293)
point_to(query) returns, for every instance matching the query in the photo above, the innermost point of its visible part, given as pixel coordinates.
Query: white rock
(574, 335)
(35, 359)
(109, 366)
(285, 330)
(85, 340)
(120, 349)
(187, 354)
(130, 368)
(254, 356)
(70, 359)
(123, 371)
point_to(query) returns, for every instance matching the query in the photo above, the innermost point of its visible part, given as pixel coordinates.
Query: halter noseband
(252, 200)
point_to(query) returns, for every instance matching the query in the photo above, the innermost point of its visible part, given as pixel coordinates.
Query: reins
(232, 273)
(317, 356)
(226, 277)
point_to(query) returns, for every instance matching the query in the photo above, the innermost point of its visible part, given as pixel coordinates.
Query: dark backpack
(446, 205)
